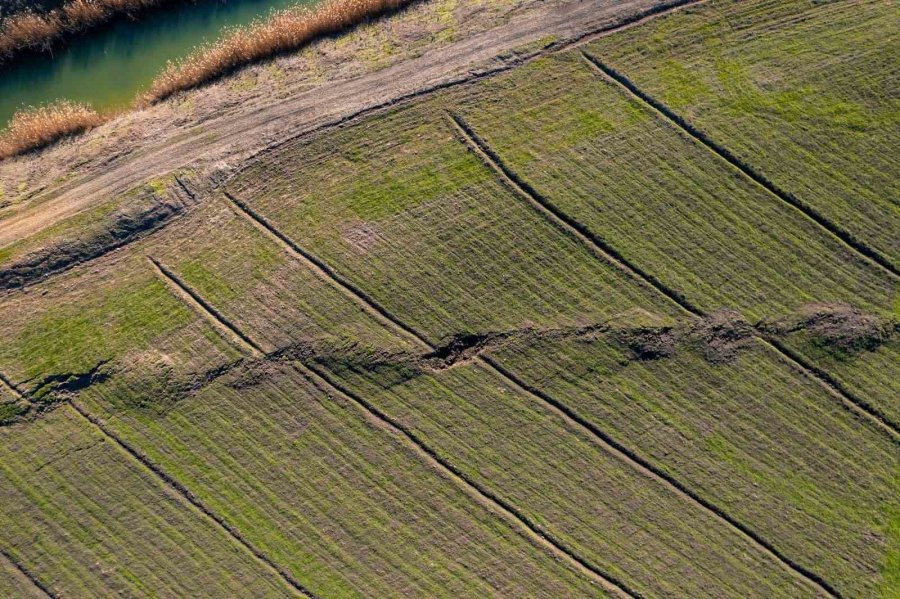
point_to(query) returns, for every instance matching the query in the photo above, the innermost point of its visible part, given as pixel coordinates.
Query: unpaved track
(234, 138)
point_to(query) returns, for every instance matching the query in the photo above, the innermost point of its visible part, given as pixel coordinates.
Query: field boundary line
(189, 497)
(829, 383)
(31, 577)
(583, 233)
(849, 240)
(571, 418)
(6, 383)
(563, 221)
(310, 372)
(323, 270)
(190, 297)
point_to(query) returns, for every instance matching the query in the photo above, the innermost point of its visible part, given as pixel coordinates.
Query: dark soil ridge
(34, 580)
(127, 225)
(603, 251)
(846, 237)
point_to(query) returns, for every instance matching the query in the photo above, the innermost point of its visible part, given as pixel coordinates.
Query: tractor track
(603, 440)
(604, 252)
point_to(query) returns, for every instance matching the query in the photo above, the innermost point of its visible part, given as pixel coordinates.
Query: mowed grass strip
(804, 92)
(664, 202)
(407, 213)
(770, 448)
(332, 496)
(87, 520)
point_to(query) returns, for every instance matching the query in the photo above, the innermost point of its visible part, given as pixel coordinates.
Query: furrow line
(600, 438)
(31, 577)
(188, 496)
(873, 256)
(565, 223)
(849, 399)
(481, 495)
(190, 297)
(318, 377)
(7, 384)
(606, 253)
(325, 272)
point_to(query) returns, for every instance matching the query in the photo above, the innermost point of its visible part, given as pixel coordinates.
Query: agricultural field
(613, 320)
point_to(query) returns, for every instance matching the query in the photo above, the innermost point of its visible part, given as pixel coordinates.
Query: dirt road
(226, 130)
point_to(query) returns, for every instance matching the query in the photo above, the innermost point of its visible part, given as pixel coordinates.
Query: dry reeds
(35, 128)
(32, 31)
(283, 31)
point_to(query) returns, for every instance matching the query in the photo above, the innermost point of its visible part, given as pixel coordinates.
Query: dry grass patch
(33, 31)
(283, 31)
(35, 127)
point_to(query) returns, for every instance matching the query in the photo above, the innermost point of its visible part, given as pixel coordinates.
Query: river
(108, 67)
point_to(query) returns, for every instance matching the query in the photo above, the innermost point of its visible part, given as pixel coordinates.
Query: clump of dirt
(838, 327)
(721, 336)
(648, 343)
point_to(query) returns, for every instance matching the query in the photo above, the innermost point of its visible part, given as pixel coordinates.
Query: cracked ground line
(473, 489)
(607, 253)
(570, 417)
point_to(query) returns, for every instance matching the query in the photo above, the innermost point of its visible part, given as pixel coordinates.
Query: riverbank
(213, 129)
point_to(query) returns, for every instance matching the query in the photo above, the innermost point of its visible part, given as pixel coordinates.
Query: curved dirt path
(235, 137)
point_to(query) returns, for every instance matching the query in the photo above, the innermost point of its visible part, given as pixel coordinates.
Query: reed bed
(32, 31)
(283, 31)
(36, 127)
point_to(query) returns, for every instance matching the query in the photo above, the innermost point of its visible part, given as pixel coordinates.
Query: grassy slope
(89, 521)
(410, 215)
(703, 229)
(343, 505)
(122, 313)
(804, 91)
(771, 448)
(437, 230)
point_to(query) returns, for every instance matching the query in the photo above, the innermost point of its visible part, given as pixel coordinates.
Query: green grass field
(525, 337)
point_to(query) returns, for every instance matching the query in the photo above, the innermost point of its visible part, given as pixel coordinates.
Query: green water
(108, 68)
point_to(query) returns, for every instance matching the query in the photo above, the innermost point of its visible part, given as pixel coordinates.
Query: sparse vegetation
(34, 128)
